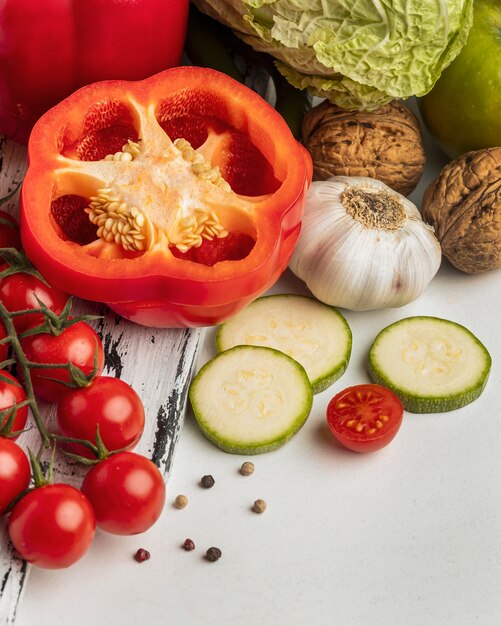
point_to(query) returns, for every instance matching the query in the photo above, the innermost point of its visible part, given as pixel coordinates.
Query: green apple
(463, 110)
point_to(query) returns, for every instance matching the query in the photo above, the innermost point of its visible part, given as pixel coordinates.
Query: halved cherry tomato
(14, 472)
(365, 418)
(11, 393)
(21, 291)
(109, 403)
(127, 492)
(76, 344)
(52, 526)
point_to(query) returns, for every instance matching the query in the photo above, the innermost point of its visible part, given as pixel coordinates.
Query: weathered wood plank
(157, 363)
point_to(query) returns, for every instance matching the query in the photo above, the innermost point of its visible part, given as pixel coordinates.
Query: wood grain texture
(158, 363)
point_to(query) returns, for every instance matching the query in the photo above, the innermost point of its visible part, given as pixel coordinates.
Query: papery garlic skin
(362, 266)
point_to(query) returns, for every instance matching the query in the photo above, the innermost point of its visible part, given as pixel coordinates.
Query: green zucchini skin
(233, 445)
(421, 403)
(288, 302)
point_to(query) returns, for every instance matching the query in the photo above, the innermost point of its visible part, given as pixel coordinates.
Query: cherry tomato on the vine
(15, 472)
(9, 231)
(11, 393)
(76, 344)
(365, 418)
(109, 403)
(52, 526)
(127, 492)
(4, 347)
(20, 291)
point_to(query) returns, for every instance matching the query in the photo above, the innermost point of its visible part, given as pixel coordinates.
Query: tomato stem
(6, 426)
(36, 468)
(22, 363)
(18, 262)
(83, 442)
(53, 324)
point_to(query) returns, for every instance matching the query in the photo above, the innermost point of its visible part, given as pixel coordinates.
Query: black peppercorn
(142, 555)
(213, 554)
(207, 481)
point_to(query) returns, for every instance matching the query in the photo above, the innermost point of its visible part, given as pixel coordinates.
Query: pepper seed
(259, 506)
(247, 468)
(180, 502)
(207, 481)
(213, 554)
(142, 555)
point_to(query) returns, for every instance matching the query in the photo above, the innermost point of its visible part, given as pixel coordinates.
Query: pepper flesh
(199, 243)
(51, 48)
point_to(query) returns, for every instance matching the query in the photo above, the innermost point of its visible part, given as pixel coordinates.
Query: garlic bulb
(363, 246)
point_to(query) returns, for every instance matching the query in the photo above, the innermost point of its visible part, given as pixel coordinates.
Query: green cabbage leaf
(360, 54)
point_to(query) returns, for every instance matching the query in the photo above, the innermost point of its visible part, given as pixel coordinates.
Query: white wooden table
(157, 363)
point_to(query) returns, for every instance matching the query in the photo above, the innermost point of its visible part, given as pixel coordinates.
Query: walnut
(463, 204)
(383, 144)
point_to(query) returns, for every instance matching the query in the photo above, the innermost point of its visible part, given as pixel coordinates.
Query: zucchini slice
(432, 364)
(312, 333)
(249, 400)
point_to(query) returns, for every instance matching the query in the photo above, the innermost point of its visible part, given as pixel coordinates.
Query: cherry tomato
(20, 291)
(4, 347)
(76, 344)
(11, 393)
(127, 493)
(109, 403)
(365, 418)
(52, 526)
(9, 231)
(14, 472)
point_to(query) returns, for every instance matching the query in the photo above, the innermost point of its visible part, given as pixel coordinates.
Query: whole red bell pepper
(176, 200)
(50, 48)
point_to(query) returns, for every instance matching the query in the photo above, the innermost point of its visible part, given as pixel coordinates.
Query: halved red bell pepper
(49, 48)
(177, 200)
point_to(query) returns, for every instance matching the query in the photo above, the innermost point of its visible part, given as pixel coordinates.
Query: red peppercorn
(142, 555)
(188, 545)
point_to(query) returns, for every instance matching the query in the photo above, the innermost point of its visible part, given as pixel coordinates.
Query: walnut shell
(384, 144)
(463, 204)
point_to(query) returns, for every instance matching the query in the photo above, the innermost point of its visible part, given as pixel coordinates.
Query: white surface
(410, 535)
